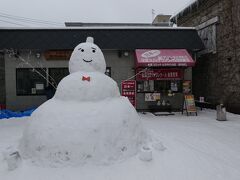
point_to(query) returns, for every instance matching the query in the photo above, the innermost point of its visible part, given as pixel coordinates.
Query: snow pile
(198, 148)
(87, 121)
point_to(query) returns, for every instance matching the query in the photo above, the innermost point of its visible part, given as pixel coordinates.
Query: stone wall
(217, 76)
(2, 80)
(236, 52)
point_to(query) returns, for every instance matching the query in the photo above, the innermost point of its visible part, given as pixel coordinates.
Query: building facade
(27, 53)
(216, 75)
(21, 80)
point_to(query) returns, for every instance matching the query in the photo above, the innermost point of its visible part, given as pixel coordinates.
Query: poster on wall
(148, 85)
(152, 96)
(39, 86)
(34, 91)
(174, 86)
(129, 91)
(187, 87)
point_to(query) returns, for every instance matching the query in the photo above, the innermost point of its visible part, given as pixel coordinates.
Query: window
(159, 86)
(145, 86)
(58, 73)
(29, 82)
(108, 71)
(165, 86)
(162, 86)
(208, 33)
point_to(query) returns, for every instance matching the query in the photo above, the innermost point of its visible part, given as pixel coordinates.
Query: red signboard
(159, 74)
(129, 91)
(163, 57)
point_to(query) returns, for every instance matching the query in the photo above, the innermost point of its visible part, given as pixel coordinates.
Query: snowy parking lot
(197, 147)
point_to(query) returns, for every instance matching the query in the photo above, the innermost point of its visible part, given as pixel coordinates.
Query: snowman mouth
(87, 60)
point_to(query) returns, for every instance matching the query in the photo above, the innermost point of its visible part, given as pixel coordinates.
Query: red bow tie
(86, 78)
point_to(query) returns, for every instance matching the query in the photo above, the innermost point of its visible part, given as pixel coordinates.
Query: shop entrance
(160, 77)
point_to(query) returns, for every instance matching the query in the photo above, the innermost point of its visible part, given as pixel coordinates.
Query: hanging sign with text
(129, 91)
(57, 55)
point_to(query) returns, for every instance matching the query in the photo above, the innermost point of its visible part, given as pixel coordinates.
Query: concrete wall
(122, 66)
(217, 76)
(121, 69)
(2, 80)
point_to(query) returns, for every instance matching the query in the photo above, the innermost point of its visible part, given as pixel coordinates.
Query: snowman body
(87, 121)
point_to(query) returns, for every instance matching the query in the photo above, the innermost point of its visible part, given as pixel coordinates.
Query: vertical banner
(129, 91)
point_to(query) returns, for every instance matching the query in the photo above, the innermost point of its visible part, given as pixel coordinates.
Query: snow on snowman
(87, 121)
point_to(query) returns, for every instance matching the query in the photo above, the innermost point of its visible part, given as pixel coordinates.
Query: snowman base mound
(72, 133)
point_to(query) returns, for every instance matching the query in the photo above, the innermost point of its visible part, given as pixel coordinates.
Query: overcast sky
(105, 11)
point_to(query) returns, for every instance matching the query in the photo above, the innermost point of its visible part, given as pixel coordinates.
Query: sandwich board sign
(189, 104)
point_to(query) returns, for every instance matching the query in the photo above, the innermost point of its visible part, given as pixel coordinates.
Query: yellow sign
(190, 104)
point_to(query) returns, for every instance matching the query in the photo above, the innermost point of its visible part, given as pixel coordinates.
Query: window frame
(30, 94)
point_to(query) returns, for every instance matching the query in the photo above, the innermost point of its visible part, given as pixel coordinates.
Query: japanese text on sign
(129, 91)
(160, 74)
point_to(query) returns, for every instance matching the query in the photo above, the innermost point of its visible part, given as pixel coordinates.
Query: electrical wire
(12, 23)
(29, 20)
(136, 74)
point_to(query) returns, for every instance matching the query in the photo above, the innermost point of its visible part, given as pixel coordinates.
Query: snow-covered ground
(198, 148)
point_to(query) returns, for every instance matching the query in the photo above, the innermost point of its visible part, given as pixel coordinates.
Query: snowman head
(87, 57)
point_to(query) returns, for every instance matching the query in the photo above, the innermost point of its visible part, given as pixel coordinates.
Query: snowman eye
(81, 49)
(93, 49)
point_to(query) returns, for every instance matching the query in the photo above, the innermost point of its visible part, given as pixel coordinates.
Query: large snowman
(87, 121)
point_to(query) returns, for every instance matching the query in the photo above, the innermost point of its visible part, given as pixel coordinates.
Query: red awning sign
(159, 74)
(163, 57)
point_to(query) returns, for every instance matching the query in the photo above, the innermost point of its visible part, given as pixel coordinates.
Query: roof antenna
(153, 14)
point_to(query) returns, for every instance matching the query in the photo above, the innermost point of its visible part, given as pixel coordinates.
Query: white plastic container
(221, 113)
(13, 160)
(145, 154)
